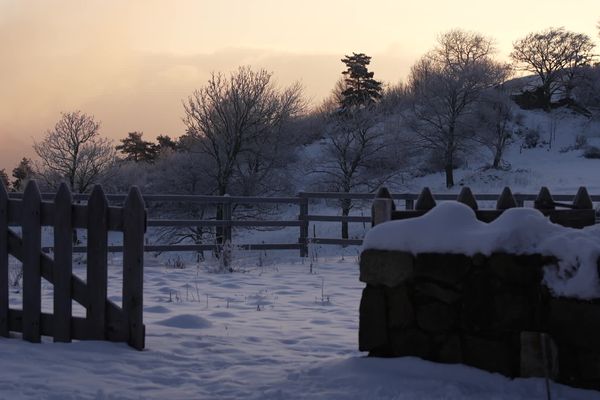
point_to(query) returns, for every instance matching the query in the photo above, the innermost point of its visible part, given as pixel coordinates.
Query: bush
(592, 152)
(580, 142)
(435, 163)
(532, 139)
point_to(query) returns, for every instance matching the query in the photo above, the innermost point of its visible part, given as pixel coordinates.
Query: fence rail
(104, 319)
(303, 200)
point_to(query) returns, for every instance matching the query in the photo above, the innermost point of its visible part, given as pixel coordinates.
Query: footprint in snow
(186, 321)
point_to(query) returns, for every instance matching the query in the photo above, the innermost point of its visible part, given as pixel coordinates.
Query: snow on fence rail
(412, 202)
(104, 319)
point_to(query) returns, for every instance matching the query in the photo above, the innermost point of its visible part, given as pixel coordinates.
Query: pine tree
(136, 149)
(355, 145)
(361, 89)
(22, 173)
(165, 143)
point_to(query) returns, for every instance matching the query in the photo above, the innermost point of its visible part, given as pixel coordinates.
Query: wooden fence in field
(411, 202)
(104, 319)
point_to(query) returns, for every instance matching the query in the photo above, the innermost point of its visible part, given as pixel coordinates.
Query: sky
(131, 63)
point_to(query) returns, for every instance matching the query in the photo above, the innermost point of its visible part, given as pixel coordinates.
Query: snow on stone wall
(452, 228)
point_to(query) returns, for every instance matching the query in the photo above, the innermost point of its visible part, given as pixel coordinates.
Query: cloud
(69, 55)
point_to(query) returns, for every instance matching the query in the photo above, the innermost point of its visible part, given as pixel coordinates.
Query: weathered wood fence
(104, 319)
(577, 214)
(412, 202)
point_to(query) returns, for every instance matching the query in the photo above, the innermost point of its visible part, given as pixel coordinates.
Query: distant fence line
(302, 200)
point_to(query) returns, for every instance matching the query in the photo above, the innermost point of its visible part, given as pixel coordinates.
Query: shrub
(591, 152)
(580, 142)
(531, 140)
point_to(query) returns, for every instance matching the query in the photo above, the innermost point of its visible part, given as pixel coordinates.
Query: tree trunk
(547, 97)
(497, 158)
(450, 157)
(449, 175)
(219, 230)
(346, 205)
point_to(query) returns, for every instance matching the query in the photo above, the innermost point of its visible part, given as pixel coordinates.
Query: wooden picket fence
(578, 213)
(409, 204)
(104, 319)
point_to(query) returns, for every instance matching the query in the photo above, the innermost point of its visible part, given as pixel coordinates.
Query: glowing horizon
(131, 63)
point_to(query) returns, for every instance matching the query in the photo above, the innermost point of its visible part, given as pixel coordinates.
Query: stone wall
(491, 312)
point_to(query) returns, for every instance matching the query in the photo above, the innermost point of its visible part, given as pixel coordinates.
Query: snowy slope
(274, 330)
(548, 165)
(271, 332)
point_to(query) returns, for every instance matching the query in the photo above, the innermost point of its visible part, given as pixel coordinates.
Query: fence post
(97, 274)
(227, 230)
(303, 218)
(506, 200)
(466, 197)
(32, 247)
(425, 201)
(63, 264)
(3, 260)
(544, 200)
(382, 210)
(134, 226)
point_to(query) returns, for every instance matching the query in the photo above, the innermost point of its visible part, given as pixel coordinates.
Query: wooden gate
(104, 319)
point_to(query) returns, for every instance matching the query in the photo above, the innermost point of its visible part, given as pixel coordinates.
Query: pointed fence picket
(409, 205)
(104, 319)
(577, 214)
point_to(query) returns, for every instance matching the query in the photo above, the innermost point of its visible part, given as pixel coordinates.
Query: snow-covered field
(275, 331)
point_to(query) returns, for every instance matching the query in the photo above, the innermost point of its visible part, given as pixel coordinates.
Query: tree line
(244, 135)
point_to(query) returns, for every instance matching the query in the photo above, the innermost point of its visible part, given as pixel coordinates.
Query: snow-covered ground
(274, 331)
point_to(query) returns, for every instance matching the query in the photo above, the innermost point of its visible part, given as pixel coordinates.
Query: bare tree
(444, 85)
(236, 124)
(74, 151)
(182, 172)
(491, 124)
(239, 117)
(555, 55)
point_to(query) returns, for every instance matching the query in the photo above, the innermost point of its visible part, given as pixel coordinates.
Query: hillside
(558, 165)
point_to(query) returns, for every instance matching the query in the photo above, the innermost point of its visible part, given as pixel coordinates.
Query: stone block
(522, 270)
(388, 268)
(574, 322)
(539, 355)
(477, 307)
(490, 355)
(400, 310)
(435, 291)
(589, 368)
(447, 269)
(372, 329)
(515, 311)
(450, 351)
(436, 317)
(411, 342)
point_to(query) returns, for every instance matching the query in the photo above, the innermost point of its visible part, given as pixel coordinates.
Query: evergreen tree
(136, 149)
(22, 173)
(360, 88)
(355, 147)
(165, 143)
(4, 178)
